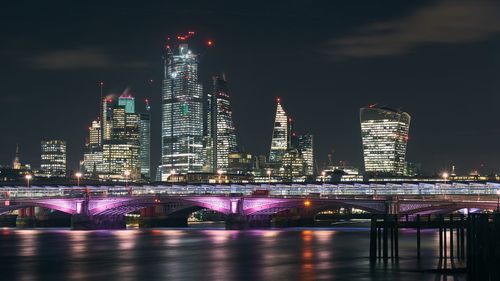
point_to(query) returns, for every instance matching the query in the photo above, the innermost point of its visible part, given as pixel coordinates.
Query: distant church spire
(16, 164)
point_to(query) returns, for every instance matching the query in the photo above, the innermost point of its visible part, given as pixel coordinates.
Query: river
(209, 253)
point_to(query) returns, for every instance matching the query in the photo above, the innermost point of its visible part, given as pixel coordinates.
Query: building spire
(281, 134)
(16, 164)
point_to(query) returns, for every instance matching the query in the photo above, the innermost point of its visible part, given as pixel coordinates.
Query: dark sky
(437, 60)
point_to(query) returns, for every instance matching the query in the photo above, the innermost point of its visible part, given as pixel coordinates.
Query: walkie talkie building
(384, 133)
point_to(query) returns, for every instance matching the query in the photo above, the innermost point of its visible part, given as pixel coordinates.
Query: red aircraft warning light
(210, 43)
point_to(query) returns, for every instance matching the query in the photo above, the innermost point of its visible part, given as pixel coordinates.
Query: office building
(220, 125)
(53, 158)
(240, 163)
(293, 166)
(384, 133)
(182, 113)
(304, 143)
(145, 144)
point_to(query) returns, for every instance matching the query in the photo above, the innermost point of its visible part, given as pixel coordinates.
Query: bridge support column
(236, 220)
(392, 206)
(26, 218)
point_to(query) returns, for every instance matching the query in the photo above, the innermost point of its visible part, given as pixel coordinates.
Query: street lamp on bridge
(78, 175)
(269, 175)
(307, 203)
(445, 176)
(28, 177)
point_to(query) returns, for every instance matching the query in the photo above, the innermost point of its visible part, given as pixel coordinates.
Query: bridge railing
(282, 190)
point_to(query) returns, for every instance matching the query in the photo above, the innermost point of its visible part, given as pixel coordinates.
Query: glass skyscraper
(92, 158)
(53, 158)
(145, 144)
(220, 123)
(281, 135)
(121, 152)
(384, 133)
(128, 101)
(304, 143)
(182, 113)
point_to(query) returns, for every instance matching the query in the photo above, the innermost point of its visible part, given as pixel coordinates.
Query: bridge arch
(178, 204)
(444, 208)
(271, 206)
(64, 207)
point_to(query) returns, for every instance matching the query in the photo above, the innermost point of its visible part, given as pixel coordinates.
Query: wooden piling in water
(396, 237)
(385, 238)
(440, 242)
(373, 239)
(418, 236)
(451, 237)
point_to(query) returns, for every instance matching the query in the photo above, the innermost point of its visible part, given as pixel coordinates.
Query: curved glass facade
(384, 134)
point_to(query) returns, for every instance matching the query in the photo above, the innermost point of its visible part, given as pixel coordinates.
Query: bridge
(94, 207)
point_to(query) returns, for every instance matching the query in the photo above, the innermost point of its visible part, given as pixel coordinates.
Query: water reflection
(307, 269)
(187, 254)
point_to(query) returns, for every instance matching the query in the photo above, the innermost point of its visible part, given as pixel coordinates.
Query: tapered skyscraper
(182, 113)
(384, 134)
(220, 123)
(281, 134)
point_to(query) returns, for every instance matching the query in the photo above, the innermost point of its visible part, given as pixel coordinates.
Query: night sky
(437, 60)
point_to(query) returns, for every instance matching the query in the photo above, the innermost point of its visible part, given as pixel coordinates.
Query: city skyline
(446, 129)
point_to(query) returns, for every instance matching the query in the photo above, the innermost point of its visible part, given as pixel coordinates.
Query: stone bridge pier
(26, 217)
(239, 219)
(84, 219)
(261, 213)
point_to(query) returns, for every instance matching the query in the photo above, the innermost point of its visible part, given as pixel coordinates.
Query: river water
(209, 253)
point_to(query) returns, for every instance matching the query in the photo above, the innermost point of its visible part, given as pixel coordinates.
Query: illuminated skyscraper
(145, 142)
(384, 134)
(293, 166)
(95, 134)
(281, 135)
(92, 158)
(121, 151)
(106, 114)
(220, 123)
(53, 158)
(304, 143)
(128, 101)
(182, 113)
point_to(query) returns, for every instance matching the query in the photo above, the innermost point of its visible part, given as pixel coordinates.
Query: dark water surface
(208, 254)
